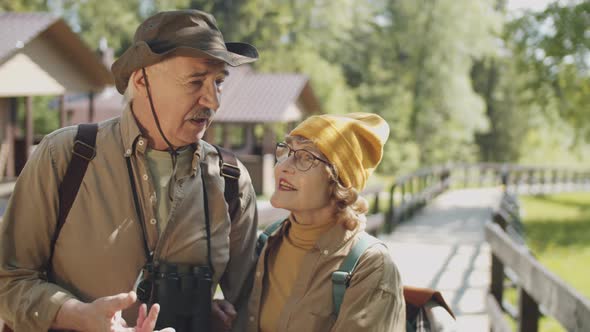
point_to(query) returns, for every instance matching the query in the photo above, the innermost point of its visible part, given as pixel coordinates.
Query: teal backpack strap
(263, 237)
(342, 276)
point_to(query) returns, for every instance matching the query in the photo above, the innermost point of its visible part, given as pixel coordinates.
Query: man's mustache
(200, 114)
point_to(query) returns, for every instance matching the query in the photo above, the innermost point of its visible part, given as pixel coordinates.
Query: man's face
(186, 92)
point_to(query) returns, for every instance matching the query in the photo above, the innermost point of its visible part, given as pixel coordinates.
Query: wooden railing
(375, 218)
(412, 192)
(539, 289)
(521, 179)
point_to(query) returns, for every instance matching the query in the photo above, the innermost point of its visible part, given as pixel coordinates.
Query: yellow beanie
(352, 142)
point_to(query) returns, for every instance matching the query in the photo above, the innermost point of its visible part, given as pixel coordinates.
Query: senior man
(138, 206)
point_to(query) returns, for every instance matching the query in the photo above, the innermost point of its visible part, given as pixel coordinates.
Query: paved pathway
(443, 247)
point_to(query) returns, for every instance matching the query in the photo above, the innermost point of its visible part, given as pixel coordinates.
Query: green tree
(23, 5)
(552, 50)
(496, 80)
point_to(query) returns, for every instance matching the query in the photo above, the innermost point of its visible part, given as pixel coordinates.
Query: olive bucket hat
(189, 32)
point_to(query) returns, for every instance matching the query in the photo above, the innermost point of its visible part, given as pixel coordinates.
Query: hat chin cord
(147, 89)
(173, 152)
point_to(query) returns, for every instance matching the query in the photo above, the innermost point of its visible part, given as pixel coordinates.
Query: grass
(557, 230)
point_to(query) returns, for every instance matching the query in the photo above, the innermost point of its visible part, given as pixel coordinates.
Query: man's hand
(104, 314)
(146, 322)
(223, 314)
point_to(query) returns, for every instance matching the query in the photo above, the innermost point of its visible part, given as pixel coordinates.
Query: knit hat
(353, 143)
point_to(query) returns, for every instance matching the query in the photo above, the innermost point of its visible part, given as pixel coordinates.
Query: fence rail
(538, 288)
(411, 192)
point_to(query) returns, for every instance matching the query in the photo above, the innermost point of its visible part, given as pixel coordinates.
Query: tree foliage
(457, 80)
(552, 52)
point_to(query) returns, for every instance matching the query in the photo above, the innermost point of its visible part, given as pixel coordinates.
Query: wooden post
(376, 205)
(249, 139)
(62, 111)
(91, 107)
(402, 214)
(210, 134)
(482, 173)
(269, 141)
(504, 178)
(497, 281)
(10, 138)
(29, 129)
(391, 218)
(531, 180)
(225, 139)
(466, 178)
(529, 313)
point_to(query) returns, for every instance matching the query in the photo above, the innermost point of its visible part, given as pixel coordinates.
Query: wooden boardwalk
(443, 247)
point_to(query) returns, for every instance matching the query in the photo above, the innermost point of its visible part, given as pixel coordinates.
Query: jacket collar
(336, 238)
(130, 131)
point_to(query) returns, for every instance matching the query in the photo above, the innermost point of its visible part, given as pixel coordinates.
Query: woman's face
(301, 191)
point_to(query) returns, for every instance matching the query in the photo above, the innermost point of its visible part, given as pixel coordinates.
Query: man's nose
(210, 97)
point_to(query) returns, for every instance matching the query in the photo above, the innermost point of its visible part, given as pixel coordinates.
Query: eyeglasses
(304, 160)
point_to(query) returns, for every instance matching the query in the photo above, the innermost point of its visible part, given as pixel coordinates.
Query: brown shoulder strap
(417, 297)
(6, 328)
(228, 166)
(82, 153)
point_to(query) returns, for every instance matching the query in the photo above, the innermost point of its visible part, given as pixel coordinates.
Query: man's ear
(138, 81)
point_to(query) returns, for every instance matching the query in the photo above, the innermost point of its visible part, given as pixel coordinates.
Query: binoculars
(183, 293)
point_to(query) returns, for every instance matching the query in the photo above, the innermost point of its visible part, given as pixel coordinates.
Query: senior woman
(321, 167)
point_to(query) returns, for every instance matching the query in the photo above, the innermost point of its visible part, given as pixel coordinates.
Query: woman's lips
(284, 185)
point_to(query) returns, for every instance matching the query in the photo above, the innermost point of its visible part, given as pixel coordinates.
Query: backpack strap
(228, 167)
(263, 237)
(341, 277)
(83, 152)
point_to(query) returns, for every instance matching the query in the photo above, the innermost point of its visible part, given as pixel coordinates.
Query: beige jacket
(373, 302)
(100, 251)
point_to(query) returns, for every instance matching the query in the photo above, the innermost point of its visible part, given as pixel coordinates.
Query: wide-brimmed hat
(188, 32)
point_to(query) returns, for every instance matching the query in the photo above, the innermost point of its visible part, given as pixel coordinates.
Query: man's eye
(220, 81)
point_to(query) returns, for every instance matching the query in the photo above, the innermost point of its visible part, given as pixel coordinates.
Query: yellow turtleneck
(283, 265)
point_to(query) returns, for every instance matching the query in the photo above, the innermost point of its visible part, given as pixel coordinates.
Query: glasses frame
(294, 151)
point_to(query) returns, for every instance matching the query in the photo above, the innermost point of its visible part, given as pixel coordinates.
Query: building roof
(248, 97)
(40, 54)
(265, 97)
(17, 29)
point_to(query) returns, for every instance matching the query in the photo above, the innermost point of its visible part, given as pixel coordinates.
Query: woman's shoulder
(377, 262)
